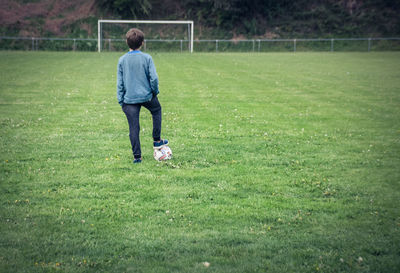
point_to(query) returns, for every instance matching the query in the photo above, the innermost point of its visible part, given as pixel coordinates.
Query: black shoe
(137, 160)
(159, 144)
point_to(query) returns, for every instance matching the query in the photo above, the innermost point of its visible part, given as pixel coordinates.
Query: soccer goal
(100, 22)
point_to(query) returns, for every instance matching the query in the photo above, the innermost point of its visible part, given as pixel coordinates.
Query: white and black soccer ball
(164, 153)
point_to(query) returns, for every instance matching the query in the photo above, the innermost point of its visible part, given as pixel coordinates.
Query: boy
(137, 86)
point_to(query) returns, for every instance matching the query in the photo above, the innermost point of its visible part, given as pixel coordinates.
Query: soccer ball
(164, 153)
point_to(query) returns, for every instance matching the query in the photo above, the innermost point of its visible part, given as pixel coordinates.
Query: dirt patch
(44, 16)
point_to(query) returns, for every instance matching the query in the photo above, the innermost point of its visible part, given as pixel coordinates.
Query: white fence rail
(255, 45)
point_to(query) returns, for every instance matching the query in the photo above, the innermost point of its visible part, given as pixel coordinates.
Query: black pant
(132, 114)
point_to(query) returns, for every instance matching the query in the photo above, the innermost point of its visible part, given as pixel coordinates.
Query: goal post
(189, 23)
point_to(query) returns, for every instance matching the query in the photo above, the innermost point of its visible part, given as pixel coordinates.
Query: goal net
(179, 34)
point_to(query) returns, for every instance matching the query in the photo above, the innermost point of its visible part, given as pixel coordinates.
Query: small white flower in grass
(341, 260)
(360, 259)
(167, 212)
(206, 264)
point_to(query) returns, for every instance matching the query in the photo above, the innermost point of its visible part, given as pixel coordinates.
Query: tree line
(309, 17)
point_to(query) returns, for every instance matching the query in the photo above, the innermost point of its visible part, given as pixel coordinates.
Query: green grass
(282, 163)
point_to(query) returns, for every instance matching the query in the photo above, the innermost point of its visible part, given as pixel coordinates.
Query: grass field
(282, 163)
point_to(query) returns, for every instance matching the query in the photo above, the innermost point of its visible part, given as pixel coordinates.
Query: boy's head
(134, 38)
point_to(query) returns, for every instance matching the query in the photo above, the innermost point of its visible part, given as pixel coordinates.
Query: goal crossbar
(99, 22)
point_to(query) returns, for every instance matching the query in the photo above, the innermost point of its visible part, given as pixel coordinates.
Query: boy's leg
(132, 114)
(155, 109)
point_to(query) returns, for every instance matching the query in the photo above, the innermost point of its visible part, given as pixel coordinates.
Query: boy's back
(137, 79)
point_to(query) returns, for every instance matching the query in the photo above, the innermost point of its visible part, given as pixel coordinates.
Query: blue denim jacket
(137, 79)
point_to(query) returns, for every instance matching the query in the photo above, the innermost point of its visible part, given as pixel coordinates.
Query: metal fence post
(74, 46)
(332, 45)
(181, 45)
(294, 45)
(259, 45)
(369, 44)
(109, 44)
(216, 45)
(253, 45)
(33, 44)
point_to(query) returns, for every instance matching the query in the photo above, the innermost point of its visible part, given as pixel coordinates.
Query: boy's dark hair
(134, 38)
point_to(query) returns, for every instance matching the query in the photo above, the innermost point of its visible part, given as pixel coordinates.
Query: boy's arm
(153, 77)
(120, 85)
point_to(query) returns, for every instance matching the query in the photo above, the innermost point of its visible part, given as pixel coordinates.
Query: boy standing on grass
(137, 86)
